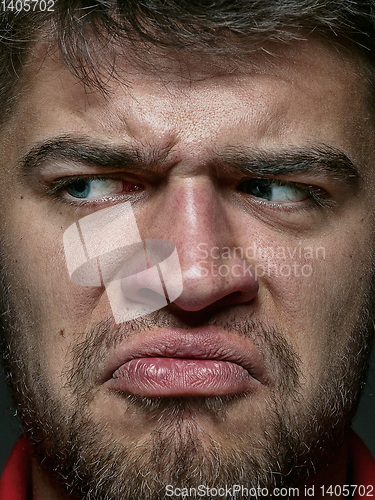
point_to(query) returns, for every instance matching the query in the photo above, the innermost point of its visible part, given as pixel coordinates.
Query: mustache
(90, 348)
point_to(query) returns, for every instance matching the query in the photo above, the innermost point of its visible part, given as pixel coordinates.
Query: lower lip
(163, 377)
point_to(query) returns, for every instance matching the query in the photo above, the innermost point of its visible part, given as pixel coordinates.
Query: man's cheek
(318, 308)
(37, 273)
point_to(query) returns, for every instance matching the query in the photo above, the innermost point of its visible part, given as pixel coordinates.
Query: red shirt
(15, 482)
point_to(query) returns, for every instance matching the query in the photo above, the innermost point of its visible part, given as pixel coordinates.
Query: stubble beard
(296, 436)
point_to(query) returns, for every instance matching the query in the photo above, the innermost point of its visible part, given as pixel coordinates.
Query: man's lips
(200, 362)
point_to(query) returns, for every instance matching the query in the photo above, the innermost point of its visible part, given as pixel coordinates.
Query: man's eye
(98, 188)
(274, 190)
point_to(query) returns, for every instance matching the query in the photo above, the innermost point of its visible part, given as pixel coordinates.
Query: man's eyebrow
(318, 160)
(90, 152)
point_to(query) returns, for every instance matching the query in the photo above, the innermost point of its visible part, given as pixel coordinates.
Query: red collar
(362, 467)
(15, 482)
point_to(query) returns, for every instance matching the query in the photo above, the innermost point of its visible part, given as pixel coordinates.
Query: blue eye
(273, 190)
(97, 188)
(79, 188)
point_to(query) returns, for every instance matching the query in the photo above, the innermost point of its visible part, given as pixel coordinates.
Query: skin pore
(204, 140)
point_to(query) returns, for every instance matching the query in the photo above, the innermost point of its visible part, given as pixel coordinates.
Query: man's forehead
(126, 64)
(307, 66)
(270, 98)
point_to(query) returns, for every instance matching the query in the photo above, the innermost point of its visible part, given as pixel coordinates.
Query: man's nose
(214, 269)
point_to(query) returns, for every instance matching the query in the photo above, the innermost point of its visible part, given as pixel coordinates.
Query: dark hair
(87, 31)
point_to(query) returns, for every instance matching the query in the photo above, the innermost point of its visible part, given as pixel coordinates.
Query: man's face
(252, 170)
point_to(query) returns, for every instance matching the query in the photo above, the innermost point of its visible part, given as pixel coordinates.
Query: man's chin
(203, 419)
(182, 446)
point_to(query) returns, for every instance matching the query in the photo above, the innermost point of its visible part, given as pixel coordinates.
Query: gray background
(364, 423)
